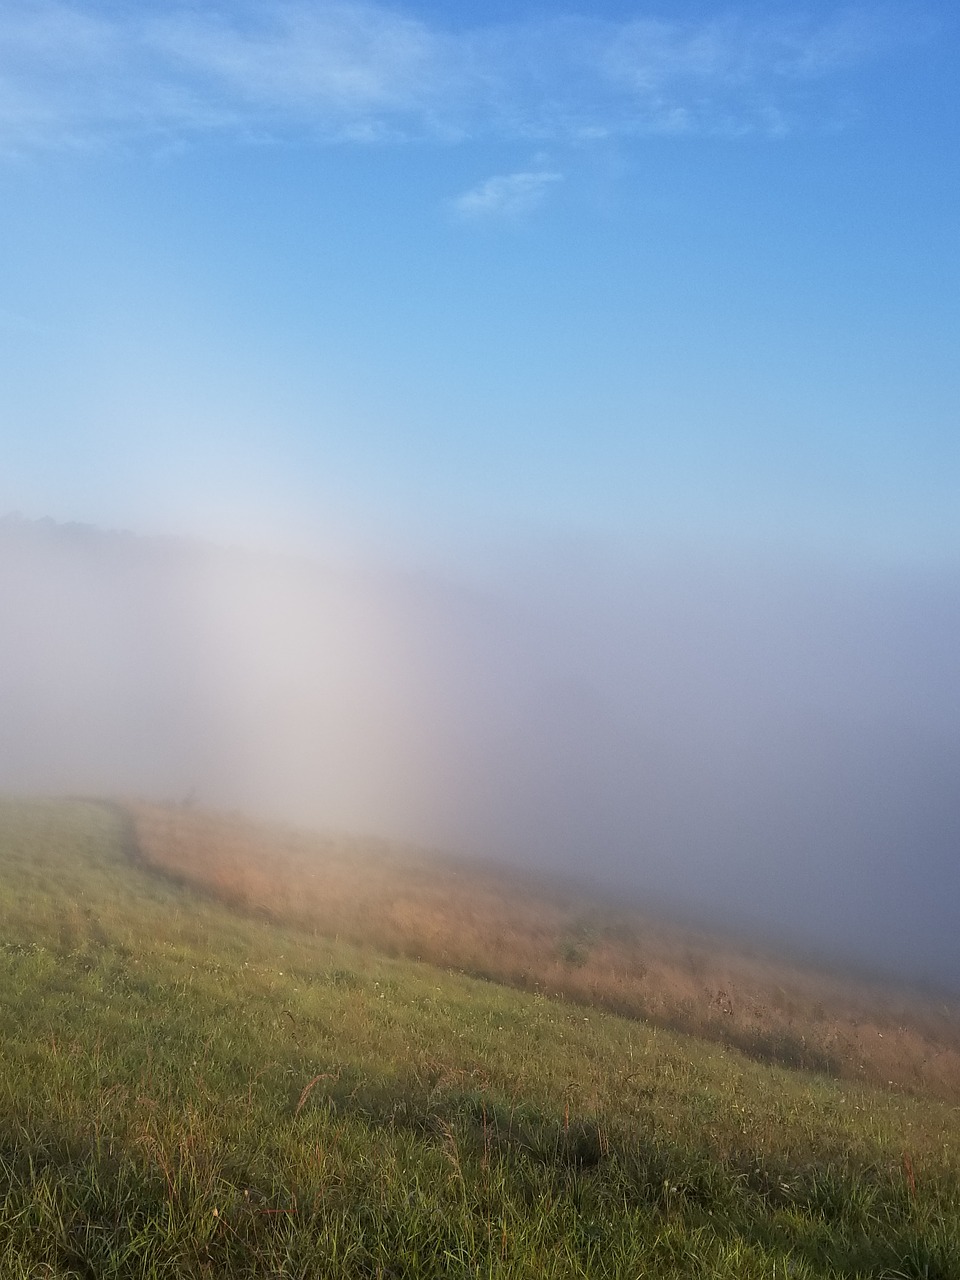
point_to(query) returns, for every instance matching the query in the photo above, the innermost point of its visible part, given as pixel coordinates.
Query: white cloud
(334, 57)
(508, 195)
(79, 72)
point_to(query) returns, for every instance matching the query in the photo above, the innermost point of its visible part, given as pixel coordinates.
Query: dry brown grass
(529, 933)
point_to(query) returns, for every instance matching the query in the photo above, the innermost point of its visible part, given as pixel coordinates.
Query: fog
(772, 746)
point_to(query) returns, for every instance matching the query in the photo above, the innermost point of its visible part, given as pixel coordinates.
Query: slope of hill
(536, 934)
(188, 1091)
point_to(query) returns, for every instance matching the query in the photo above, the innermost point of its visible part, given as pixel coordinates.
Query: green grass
(185, 1092)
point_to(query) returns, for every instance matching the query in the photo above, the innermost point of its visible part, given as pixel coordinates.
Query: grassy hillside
(190, 1091)
(532, 934)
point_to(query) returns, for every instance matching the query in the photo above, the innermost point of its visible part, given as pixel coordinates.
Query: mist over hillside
(775, 748)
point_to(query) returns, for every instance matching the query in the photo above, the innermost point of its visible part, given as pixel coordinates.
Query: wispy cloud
(507, 195)
(306, 61)
(80, 73)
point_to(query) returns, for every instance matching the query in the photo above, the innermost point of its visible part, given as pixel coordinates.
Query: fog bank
(772, 746)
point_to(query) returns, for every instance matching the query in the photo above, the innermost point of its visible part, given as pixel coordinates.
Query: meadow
(193, 1085)
(539, 934)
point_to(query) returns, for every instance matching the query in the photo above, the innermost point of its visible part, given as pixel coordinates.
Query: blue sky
(427, 278)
